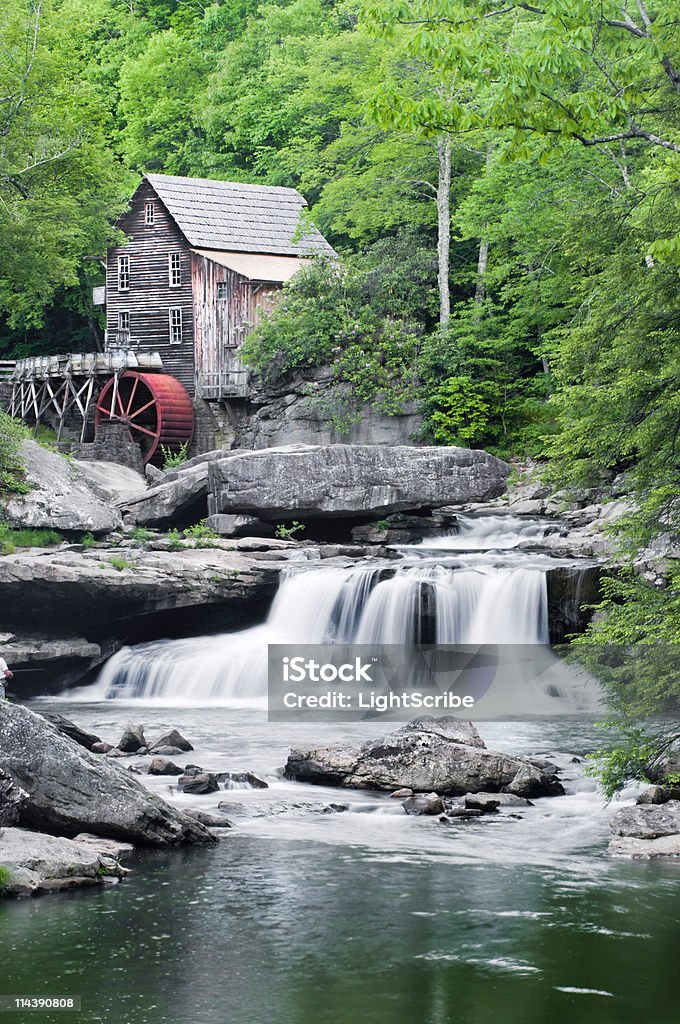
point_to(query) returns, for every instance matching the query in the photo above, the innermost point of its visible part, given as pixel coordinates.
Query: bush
(336, 316)
(12, 433)
(289, 532)
(172, 458)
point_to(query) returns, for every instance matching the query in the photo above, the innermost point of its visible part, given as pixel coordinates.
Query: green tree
(60, 184)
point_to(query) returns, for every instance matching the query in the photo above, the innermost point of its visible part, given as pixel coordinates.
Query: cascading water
(443, 592)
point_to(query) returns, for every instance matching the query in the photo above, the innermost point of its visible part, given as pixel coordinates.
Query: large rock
(646, 831)
(171, 739)
(348, 480)
(70, 790)
(61, 496)
(647, 821)
(426, 755)
(43, 863)
(176, 500)
(86, 587)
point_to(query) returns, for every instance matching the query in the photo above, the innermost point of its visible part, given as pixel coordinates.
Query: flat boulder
(39, 863)
(647, 821)
(424, 756)
(340, 480)
(70, 790)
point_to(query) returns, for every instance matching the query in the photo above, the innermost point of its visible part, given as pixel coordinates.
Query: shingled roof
(233, 217)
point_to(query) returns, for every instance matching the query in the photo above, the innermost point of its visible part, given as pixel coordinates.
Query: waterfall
(322, 605)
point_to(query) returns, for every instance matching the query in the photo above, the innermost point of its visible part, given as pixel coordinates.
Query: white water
(491, 533)
(422, 600)
(316, 606)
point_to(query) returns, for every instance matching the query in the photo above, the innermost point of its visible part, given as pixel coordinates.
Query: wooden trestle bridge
(79, 390)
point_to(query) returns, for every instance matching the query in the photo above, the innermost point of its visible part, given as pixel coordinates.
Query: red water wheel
(155, 407)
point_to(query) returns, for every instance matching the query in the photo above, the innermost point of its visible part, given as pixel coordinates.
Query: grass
(175, 540)
(119, 564)
(11, 539)
(88, 540)
(5, 878)
(141, 534)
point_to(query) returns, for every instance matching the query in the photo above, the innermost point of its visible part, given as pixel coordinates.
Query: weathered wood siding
(150, 296)
(222, 324)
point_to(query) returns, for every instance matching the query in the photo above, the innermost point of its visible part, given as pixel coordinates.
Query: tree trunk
(444, 228)
(481, 271)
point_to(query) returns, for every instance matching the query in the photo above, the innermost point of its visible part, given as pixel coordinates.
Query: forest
(501, 183)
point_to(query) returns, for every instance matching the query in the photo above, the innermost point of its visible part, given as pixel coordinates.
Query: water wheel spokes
(154, 407)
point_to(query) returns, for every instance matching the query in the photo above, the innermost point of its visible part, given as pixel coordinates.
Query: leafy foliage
(12, 434)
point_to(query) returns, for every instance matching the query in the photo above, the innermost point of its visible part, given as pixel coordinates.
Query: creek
(300, 916)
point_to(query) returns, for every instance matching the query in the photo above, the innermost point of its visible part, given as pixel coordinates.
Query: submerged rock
(160, 766)
(241, 780)
(423, 803)
(204, 782)
(210, 820)
(70, 790)
(424, 756)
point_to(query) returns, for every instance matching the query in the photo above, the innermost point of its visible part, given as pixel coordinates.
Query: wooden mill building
(200, 263)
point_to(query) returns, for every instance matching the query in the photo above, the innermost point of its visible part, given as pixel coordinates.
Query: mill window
(149, 213)
(222, 290)
(123, 273)
(176, 326)
(175, 269)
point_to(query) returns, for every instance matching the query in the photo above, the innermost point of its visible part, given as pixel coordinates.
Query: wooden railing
(6, 369)
(223, 384)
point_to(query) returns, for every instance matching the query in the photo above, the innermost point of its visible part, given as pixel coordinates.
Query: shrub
(172, 458)
(12, 477)
(289, 532)
(199, 531)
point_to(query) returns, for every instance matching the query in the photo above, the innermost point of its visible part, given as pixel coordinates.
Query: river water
(301, 916)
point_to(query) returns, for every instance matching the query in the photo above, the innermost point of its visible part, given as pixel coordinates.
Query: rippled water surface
(300, 916)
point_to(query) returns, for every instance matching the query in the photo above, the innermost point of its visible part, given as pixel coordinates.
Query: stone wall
(112, 443)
